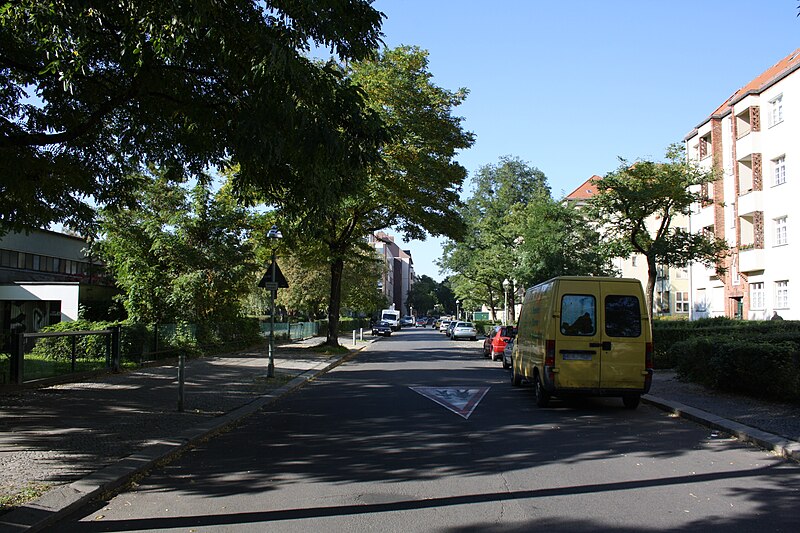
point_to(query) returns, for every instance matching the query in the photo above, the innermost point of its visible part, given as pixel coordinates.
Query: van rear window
(623, 318)
(578, 315)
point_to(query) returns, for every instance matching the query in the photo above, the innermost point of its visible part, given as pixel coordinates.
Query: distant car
(496, 341)
(421, 322)
(443, 325)
(507, 354)
(407, 321)
(382, 328)
(464, 329)
(450, 326)
(430, 321)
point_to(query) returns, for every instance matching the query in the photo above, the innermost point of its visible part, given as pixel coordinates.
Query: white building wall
(67, 293)
(776, 262)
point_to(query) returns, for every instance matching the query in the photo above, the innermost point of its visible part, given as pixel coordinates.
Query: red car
(496, 341)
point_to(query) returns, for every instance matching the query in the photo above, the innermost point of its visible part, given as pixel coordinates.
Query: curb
(62, 501)
(781, 446)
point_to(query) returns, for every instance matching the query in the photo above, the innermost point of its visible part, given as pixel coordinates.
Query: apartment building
(671, 294)
(398, 274)
(751, 142)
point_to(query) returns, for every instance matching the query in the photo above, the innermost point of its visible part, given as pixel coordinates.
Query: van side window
(623, 318)
(578, 316)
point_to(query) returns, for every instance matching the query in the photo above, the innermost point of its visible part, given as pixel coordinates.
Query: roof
(763, 81)
(584, 191)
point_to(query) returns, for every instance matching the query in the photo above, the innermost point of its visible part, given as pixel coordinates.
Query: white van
(584, 335)
(392, 316)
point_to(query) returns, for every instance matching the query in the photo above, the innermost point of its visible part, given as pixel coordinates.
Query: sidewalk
(63, 445)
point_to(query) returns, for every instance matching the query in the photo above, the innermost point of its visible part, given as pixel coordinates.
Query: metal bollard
(354, 337)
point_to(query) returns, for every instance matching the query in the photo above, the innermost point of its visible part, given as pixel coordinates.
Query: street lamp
(506, 284)
(458, 314)
(274, 235)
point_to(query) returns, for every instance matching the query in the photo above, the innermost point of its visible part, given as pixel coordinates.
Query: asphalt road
(359, 450)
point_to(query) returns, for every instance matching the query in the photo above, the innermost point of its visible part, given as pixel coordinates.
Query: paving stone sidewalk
(55, 435)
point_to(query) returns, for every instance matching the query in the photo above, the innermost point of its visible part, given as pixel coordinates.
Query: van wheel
(505, 365)
(631, 401)
(516, 379)
(542, 396)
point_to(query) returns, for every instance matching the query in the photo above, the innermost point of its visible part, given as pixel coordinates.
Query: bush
(760, 367)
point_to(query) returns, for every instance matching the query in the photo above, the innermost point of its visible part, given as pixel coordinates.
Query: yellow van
(584, 335)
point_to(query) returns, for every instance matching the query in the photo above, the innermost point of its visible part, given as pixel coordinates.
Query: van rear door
(578, 356)
(623, 339)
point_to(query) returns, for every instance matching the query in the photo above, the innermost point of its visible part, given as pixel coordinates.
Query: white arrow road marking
(460, 401)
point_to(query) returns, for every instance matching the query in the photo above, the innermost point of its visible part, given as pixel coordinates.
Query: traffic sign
(270, 285)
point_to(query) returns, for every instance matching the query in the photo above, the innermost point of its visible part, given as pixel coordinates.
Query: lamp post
(458, 314)
(274, 235)
(506, 284)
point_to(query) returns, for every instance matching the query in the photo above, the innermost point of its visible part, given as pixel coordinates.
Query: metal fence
(45, 355)
(289, 331)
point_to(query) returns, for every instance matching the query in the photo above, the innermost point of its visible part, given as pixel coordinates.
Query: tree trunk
(492, 314)
(337, 267)
(651, 287)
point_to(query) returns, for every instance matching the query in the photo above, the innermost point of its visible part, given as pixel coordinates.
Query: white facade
(43, 277)
(752, 141)
(398, 274)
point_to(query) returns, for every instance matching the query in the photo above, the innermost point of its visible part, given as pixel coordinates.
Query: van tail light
(550, 353)
(549, 360)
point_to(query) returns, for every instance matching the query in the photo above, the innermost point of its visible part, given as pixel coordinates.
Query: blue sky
(570, 86)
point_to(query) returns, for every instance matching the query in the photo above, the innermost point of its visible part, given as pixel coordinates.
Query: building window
(681, 302)
(782, 294)
(633, 260)
(681, 273)
(757, 300)
(779, 170)
(781, 237)
(776, 110)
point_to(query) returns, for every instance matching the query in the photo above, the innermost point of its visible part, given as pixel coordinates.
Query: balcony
(751, 260)
(750, 202)
(748, 144)
(704, 218)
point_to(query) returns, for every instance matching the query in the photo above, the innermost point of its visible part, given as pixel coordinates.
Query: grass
(30, 492)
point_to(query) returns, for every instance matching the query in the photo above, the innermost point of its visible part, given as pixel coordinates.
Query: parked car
(464, 329)
(443, 325)
(507, 353)
(450, 326)
(382, 328)
(407, 321)
(421, 322)
(430, 321)
(496, 341)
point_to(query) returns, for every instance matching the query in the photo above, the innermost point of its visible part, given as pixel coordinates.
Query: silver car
(464, 329)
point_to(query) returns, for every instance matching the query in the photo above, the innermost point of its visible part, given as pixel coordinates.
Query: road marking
(460, 401)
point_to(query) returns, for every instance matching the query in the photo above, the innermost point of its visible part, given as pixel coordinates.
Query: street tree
(422, 295)
(90, 92)
(178, 254)
(488, 254)
(636, 206)
(413, 187)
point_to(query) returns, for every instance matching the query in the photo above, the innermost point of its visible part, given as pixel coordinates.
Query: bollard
(354, 337)
(361, 335)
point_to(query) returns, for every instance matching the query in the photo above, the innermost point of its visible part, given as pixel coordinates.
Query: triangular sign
(461, 401)
(279, 277)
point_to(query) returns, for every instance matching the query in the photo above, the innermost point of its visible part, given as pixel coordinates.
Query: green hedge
(757, 358)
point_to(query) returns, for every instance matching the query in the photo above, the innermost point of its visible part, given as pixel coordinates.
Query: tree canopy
(636, 207)
(413, 187)
(92, 91)
(517, 232)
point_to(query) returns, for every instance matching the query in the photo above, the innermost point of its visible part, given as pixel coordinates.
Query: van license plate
(572, 356)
